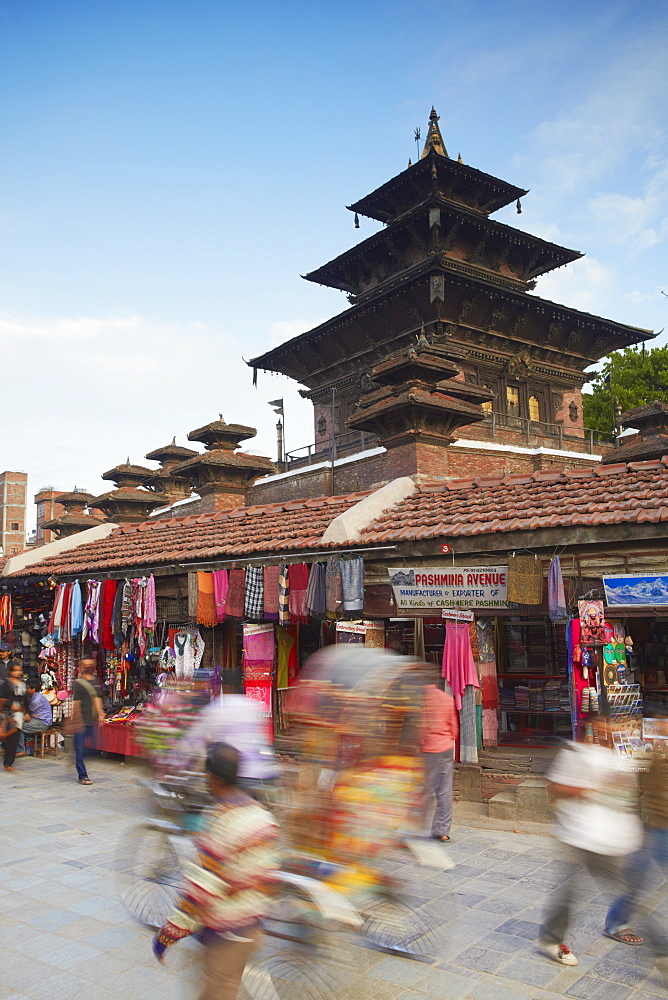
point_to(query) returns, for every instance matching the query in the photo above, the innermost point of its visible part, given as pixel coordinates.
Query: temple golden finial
(434, 138)
(459, 159)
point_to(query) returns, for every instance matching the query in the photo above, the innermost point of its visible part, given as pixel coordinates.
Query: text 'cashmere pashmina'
(271, 574)
(236, 593)
(298, 580)
(254, 599)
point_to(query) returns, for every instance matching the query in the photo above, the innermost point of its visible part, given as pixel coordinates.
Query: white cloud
(282, 330)
(583, 285)
(62, 328)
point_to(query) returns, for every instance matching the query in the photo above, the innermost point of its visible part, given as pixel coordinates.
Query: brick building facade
(13, 489)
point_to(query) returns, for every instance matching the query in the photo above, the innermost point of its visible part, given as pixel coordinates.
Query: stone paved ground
(64, 936)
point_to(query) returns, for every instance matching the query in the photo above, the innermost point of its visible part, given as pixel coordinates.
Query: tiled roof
(611, 494)
(279, 527)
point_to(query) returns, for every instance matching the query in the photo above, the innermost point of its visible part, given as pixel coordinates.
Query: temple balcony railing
(499, 427)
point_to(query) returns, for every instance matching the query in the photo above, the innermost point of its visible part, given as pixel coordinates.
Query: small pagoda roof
(76, 496)
(650, 415)
(127, 469)
(170, 451)
(72, 520)
(221, 434)
(127, 494)
(231, 459)
(401, 192)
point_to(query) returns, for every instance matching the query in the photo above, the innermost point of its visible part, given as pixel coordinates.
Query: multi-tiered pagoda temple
(441, 263)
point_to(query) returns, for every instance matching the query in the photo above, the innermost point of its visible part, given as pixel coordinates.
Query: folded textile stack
(506, 699)
(522, 695)
(552, 691)
(536, 697)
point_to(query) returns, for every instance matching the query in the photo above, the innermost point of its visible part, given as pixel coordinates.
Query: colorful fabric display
(76, 611)
(352, 584)
(316, 592)
(556, 599)
(298, 584)
(271, 575)
(254, 594)
(206, 602)
(117, 616)
(458, 666)
(107, 597)
(283, 596)
(287, 661)
(220, 588)
(150, 610)
(258, 664)
(236, 593)
(334, 587)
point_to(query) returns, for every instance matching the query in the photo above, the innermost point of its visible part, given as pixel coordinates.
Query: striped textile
(254, 603)
(283, 596)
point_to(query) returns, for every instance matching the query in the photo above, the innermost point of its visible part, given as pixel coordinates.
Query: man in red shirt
(439, 732)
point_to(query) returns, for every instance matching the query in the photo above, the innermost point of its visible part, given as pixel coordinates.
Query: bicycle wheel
(149, 877)
(394, 925)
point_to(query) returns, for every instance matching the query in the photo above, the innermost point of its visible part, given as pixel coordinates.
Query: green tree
(633, 377)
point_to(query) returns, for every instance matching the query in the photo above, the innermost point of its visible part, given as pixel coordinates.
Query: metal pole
(279, 441)
(333, 446)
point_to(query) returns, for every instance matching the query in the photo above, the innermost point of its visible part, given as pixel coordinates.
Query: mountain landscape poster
(636, 590)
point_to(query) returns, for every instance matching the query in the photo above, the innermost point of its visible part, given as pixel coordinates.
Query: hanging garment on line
(458, 664)
(107, 598)
(334, 587)
(150, 611)
(254, 595)
(271, 577)
(556, 598)
(468, 731)
(283, 596)
(352, 584)
(236, 593)
(117, 617)
(298, 583)
(220, 587)
(525, 579)
(76, 611)
(287, 660)
(316, 591)
(206, 602)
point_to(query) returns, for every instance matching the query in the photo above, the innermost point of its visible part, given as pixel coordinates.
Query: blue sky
(168, 169)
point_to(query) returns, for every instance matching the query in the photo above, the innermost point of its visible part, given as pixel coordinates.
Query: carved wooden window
(534, 408)
(488, 406)
(512, 401)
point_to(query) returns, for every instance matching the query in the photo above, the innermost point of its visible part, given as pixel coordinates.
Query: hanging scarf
(352, 582)
(65, 614)
(298, 583)
(316, 595)
(126, 608)
(236, 593)
(220, 585)
(556, 599)
(287, 661)
(271, 574)
(150, 611)
(76, 611)
(107, 598)
(90, 611)
(333, 587)
(206, 602)
(254, 594)
(283, 596)
(117, 616)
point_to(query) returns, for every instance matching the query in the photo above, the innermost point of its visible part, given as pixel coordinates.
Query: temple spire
(434, 138)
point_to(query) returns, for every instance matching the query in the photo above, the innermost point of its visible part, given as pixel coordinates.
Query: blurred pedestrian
(595, 803)
(7, 660)
(224, 895)
(86, 712)
(9, 729)
(39, 715)
(654, 799)
(439, 732)
(18, 703)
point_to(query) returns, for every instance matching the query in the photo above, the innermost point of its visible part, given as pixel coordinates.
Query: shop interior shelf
(520, 677)
(534, 711)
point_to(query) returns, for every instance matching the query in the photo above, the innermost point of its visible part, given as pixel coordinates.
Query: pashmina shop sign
(456, 586)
